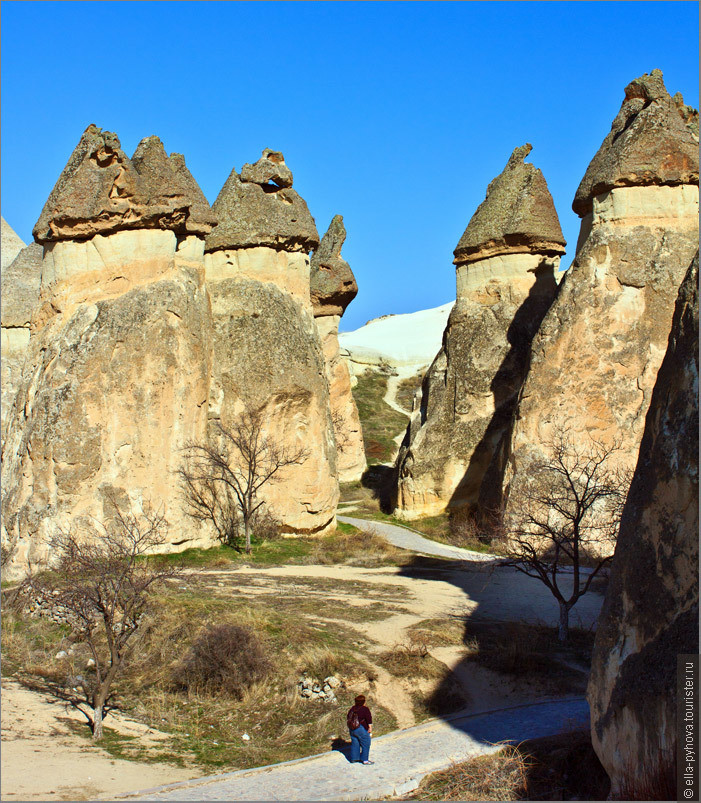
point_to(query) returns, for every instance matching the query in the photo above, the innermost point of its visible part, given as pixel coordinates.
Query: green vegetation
(381, 423)
(347, 545)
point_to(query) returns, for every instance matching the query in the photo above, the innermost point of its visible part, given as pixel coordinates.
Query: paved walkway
(407, 538)
(402, 759)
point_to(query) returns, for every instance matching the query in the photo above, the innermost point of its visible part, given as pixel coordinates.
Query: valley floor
(392, 608)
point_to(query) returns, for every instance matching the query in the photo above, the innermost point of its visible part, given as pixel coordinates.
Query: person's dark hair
(360, 699)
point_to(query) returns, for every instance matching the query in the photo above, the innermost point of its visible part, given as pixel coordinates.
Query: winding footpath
(401, 758)
(404, 757)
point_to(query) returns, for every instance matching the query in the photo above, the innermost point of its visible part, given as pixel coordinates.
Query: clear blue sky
(394, 114)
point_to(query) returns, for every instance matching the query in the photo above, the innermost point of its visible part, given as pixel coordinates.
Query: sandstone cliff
(651, 610)
(267, 349)
(597, 353)
(506, 261)
(333, 287)
(117, 371)
(21, 278)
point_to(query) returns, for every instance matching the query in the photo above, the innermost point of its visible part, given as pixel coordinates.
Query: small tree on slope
(101, 589)
(566, 514)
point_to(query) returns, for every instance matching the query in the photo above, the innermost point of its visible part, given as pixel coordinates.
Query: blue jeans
(360, 744)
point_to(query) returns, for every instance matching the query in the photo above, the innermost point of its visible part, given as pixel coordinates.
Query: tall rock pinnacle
(454, 450)
(598, 351)
(333, 287)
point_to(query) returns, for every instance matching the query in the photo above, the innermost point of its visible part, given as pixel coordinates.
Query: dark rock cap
(20, 286)
(101, 191)
(257, 213)
(653, 140)
(333, 284)
(270, 167)
(172, 191)
(517, 215)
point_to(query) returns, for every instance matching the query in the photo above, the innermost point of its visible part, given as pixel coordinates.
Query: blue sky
(394, 114)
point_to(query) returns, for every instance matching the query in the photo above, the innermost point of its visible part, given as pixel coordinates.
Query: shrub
(223, 659)
(265, 526)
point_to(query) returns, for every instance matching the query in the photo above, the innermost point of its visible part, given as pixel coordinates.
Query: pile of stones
(311, 688)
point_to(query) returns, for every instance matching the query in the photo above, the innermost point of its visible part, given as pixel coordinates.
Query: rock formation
(651, 610)
(21, 277)
(333, 287)
(116, 377)
(506, 261)
(267, 350)
(598, 350)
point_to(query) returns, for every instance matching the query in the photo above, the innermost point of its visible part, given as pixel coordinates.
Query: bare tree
(100, 588)
(566, 513)
(223, 478)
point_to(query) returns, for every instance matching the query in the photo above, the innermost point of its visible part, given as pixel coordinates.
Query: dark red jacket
(363, 713)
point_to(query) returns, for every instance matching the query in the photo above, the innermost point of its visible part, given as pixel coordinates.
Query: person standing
(359, 720)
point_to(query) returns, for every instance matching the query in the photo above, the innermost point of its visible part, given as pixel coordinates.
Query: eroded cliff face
(21, 278)
(507, 262)
(267, 349)
(116, 377)
(598, 351)
(333, 287)
(651, 611)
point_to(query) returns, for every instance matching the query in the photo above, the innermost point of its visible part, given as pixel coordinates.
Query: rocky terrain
(506, 266)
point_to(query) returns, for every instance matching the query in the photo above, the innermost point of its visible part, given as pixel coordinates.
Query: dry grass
(406, 389)
(206, 724)
(501, 776)
(562, 767)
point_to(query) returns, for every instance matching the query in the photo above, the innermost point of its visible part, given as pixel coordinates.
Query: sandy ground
(43, 760)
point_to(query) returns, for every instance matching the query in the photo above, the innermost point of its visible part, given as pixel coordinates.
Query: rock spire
(333, 284)
(598, 351)
(506, 261)
(333, 287)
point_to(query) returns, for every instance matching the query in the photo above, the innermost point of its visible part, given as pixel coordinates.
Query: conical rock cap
(257, 213)
(10, 243)
(172, 191)
(333, 284)
(98, 192)
(517, 215)
(653, 140)
(101, 191)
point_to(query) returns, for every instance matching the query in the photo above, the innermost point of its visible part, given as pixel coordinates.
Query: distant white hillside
(412, 339)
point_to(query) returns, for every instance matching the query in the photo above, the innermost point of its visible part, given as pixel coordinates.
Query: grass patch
(381, 423)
